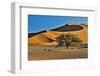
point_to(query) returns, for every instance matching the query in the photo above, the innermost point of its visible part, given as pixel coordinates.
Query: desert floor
(52, 53)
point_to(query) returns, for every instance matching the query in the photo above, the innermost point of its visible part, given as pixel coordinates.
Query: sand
(51, 53)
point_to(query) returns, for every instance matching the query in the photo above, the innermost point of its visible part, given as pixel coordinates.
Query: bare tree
(68, 39)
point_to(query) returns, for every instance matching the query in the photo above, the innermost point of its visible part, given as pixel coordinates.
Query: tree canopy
(67, 39)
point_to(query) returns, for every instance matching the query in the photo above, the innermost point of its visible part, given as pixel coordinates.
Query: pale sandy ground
(51, 53)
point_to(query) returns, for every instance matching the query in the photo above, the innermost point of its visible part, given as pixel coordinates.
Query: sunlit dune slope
(40, 39)
(47, 38)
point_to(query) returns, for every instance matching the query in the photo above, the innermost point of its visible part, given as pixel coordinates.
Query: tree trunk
(67, 46)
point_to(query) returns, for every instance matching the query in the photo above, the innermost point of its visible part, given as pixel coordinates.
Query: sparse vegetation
(57, 53)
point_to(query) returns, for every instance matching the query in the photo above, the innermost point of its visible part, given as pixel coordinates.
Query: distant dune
(47, 37)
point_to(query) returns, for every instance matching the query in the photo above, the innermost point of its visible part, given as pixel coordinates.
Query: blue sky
(37, 23)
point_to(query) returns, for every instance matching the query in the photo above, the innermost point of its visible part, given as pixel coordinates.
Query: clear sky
(37, 23)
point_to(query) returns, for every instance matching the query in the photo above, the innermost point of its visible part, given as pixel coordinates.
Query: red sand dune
(46, 38)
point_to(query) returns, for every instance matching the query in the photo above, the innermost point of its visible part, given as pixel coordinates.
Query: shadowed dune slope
(68, 28)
